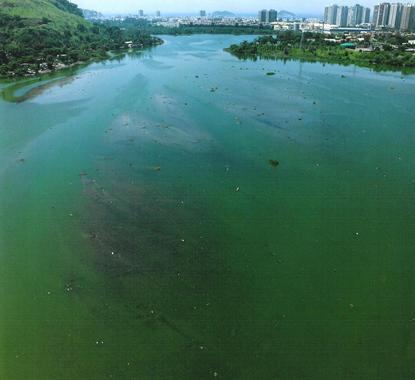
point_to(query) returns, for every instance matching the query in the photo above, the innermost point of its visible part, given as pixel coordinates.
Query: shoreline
(111, 54)
(54, 77)
(378, 56)
(404, 70)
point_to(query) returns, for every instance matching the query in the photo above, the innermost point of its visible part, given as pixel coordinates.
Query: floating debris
(69, 287)
(274, 163)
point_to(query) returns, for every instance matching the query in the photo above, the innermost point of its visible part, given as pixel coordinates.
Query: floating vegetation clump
(274, 163)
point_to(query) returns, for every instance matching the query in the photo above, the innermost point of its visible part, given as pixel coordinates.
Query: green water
(145, 235)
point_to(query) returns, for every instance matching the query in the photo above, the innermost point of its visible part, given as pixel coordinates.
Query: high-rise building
(272, 15)
(395, 15)
(262, 16)
(349, 16)
(330, 14)
(383, 15)
(412, 19)
(202, 13)
(141, 13)
(356, 15)
(375, 15)
(158, 14)
(366, 16)
(342, 13)
(266, 16)
(408, 18)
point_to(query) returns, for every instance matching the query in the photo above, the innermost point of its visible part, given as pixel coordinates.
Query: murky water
(145, 233)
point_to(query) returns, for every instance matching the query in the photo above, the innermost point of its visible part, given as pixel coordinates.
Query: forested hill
(59, 12)
(39, 36)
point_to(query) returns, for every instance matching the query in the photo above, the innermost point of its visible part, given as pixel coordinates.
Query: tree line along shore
(379, 51)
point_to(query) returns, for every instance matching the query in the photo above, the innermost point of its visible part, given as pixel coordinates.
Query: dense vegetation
(152, 28)
(39, 36)
(66, 6)
(379, 52)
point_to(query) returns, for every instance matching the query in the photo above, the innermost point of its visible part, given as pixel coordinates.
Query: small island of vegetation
(42, 36)
(379, 51)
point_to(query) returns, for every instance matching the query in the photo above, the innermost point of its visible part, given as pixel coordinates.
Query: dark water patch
(162, 258)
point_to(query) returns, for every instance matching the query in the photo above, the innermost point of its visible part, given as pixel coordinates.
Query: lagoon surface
(145, 234)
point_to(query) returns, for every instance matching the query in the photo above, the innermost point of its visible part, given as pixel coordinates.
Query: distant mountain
(223, 14)
(286, 14)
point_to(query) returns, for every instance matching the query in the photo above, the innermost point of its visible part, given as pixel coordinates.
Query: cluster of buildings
(396, 16)
(142, 15)
(175, 22)
(344, 16)
(267, 16)
(344, 19)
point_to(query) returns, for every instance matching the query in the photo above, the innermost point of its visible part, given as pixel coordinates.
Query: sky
(192, 6)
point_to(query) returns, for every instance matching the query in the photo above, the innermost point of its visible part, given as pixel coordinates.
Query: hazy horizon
(187, 6)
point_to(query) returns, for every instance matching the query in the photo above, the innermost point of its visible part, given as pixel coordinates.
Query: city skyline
(395, 16)
(314, 7)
